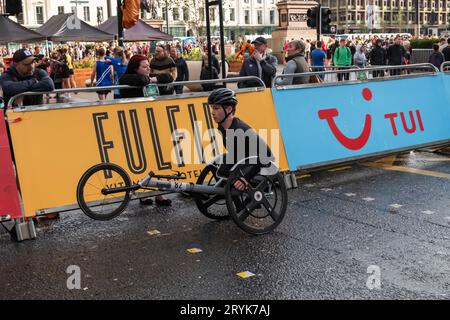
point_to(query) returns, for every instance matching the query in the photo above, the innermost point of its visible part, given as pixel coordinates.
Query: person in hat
(23, 76)
(262, 65)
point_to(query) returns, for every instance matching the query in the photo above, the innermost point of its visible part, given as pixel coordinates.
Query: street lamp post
(167, 17)
(119, 23)
(417, 18)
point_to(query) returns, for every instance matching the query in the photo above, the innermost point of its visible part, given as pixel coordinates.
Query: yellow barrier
(54, 147)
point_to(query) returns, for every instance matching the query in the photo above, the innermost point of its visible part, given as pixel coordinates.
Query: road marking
(194, 250)
(326, 189)
(368, 199)
(396, 205)
(309, 185)
(245, 274)
(427, 212)
(340, 169)
(350, 194)
(303, 176)
(410, 170)
(153, 232)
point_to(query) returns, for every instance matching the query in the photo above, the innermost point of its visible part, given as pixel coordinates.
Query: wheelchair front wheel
(90, 191)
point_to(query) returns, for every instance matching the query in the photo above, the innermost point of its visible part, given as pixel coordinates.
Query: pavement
(373, 230)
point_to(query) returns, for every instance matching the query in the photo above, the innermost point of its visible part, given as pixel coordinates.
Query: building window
(175, 14)
(272, 16)
(73, 10)
(259, 15)
(232, 14)
(20, 18)
(201, 14)
(259, 1)
(246, 1)
(186, 14)
(61, 10)
(212, 14)
(164, 13)
(87, 16)
(39, 15)
(247, 17)
(99, 15)
(385, 3)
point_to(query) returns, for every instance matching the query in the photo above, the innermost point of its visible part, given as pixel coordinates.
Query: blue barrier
(324, 125)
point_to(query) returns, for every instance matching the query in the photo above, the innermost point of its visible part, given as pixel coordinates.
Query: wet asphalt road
(338, 224)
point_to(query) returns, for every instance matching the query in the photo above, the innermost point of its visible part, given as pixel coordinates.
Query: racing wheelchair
(105, 190)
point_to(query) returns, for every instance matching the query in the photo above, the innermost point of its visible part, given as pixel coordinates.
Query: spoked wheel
(262, 206)
(212, 206)
(90, 191)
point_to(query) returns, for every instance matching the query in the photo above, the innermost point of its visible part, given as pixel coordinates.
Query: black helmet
(223, 97)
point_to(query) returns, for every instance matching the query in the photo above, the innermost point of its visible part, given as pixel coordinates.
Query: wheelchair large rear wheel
(262, 206)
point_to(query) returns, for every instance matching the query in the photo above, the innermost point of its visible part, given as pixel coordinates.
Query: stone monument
(292, 24)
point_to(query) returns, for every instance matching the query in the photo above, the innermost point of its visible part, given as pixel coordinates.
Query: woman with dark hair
(138, 75)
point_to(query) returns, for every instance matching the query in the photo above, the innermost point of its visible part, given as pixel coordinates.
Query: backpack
(246, 52)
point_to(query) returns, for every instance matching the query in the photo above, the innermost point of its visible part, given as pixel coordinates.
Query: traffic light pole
(119, 23)
(319, 23)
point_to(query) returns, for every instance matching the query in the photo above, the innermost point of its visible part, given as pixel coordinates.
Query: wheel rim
(98, 205)
(261, 208)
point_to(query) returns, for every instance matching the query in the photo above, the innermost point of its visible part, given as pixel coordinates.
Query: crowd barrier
(321, 125)
(55, 144)
(326, 124)
(9, 194)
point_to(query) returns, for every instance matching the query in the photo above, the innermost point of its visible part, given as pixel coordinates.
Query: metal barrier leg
(20, 230)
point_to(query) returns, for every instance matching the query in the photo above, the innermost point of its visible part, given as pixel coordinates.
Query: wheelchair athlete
(234, 131)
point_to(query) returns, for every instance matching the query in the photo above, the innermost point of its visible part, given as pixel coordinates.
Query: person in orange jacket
(246, 50)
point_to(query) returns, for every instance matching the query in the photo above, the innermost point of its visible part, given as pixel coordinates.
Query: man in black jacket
(446, 51)
(395, 55)
(182, 69)
(378, 58)
(261, 65)
(22, 77)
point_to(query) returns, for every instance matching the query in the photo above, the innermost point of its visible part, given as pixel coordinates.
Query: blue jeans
(178, 89)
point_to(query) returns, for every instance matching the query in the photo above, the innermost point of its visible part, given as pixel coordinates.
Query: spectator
(360, 56)
(342, 58)
(65, 74)
(163, 67)
(442, 44)
(214, 60)
(182, 69)
(318, 57)
(333, 48)
(378, 57)
(137, 74)
(360, 60)
(68, 57)
(208, 74)
(446, 51)
(55, 72)
(246, 51)
(296, 63)
(24, 77)
(104, 74)
(119, 63)
(436, 58)
(262, 65)
(396, 55)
